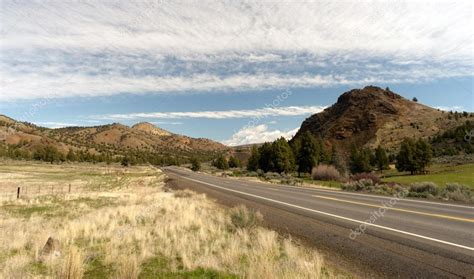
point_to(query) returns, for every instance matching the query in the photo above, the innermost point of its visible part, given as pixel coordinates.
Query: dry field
(123, 223)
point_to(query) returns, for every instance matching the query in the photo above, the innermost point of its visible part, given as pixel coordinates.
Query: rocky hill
(374, 116)
(113, 139)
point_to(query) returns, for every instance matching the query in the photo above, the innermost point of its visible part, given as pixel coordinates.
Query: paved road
(370, 235)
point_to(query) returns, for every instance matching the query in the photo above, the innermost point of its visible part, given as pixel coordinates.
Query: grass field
(123, 223)
(439, 174)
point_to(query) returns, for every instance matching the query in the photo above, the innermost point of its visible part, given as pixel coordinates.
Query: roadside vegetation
(308, 160)
(124, 223)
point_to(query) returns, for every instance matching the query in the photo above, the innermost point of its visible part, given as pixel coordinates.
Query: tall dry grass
(141, 222)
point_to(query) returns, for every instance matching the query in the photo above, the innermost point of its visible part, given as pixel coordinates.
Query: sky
(237, 72)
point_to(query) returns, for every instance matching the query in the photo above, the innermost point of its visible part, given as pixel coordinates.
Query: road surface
(369, 235)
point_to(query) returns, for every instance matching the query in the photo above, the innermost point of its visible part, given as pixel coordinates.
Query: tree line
(306, 152)
(51, 154)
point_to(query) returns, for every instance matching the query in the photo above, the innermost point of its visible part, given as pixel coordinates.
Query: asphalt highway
(369, 235)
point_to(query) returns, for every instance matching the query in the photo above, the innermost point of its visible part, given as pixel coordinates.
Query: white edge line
(335, 216)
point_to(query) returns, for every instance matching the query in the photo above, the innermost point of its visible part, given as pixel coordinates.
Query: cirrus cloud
(102, 48)
(220, 114)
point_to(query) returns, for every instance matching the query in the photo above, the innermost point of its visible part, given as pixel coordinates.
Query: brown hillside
(373, 116)
(115, 138)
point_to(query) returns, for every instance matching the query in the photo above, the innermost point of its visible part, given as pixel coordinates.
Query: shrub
(359, 185)
(195, 165)
(183, 194)
(271, 176)
(423, 189)
(368, 176)
(326, 173)
(243, 218)
(457, 192)
(290, 180)
(252, 174)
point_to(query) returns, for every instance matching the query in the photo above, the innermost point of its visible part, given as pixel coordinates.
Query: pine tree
(265, 161)
(221, 163)
(406, 156)
(195, 164)
(423, 155)
(252, 164)
(381, 159)
(282, 156)
(308, 154)
(360, 160)
(337, 161)
(71, 156)
(234, 162)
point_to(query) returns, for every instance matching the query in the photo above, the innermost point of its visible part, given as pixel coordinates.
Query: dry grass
(125, 231)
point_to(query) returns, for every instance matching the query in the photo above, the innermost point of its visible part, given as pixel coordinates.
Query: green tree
(360, 160)
(234, 162)
(308, 153)
(406, 156)
(381, 159)
(282, 156)
(126, 161)
(324, 154)
(337, 160)
(265, 162)
(195, 164)
(221, 163)
(252, 164)
(423, 155)
(71, 156)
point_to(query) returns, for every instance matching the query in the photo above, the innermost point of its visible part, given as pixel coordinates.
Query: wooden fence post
(18, 193)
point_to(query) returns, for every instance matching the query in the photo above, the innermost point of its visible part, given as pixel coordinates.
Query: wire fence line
(31, 191)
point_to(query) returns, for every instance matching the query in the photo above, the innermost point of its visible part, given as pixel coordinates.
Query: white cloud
(220, 114)
(258, 134)
(102, 48)
(55, 125)
(167, 123)
(452, 108)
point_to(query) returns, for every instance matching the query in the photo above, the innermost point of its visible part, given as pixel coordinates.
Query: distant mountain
(374, 116)
(113, 139)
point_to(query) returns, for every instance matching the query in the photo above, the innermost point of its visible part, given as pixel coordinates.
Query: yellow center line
(398, 209)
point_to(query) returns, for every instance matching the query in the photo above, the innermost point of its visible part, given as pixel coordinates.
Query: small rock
(52, 249)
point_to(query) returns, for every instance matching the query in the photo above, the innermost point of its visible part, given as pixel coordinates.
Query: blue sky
(238, 72)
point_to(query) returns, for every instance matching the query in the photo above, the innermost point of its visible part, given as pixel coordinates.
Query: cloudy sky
(234, 71)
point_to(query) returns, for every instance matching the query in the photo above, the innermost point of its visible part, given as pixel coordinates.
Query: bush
(252, 174)
(326, 173)
(457, 192)
(423, 189)
(366, 175)
(243, 218)
(271, 176)
(290, 180)
(195, 165)
(359, 185)
(183, 194)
